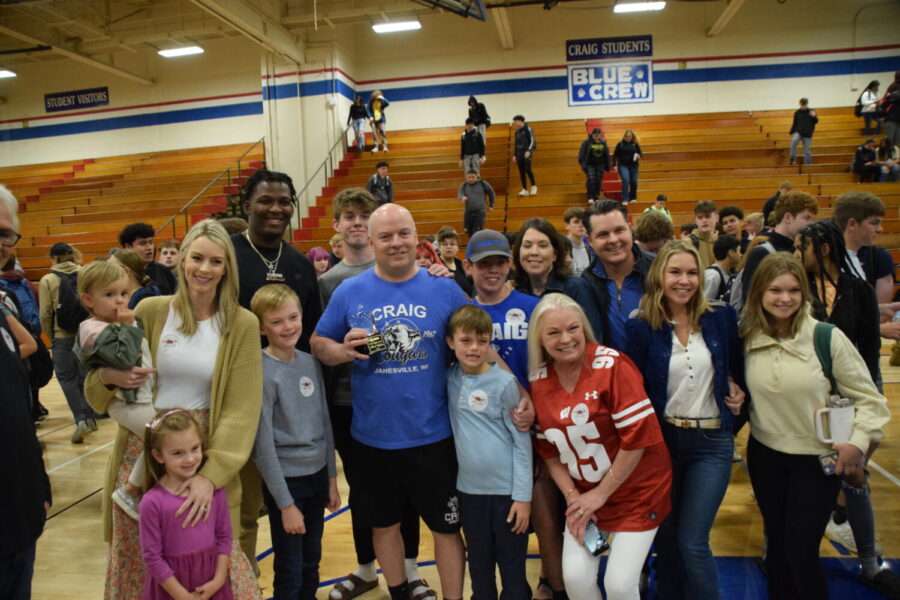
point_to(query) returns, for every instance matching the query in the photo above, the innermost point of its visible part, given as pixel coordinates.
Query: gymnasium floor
(71, 554)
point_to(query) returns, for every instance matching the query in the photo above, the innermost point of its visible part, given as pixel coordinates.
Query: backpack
(20, 289)
(726, 281)
(737, 287)
(40, 364)
(69, 312)
(857, 110)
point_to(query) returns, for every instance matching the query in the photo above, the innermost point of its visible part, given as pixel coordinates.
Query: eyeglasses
(9, 238)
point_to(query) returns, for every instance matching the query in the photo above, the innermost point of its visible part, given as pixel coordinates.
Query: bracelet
(567, 494)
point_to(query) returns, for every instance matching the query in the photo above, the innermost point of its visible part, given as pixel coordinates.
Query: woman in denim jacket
(690, 355)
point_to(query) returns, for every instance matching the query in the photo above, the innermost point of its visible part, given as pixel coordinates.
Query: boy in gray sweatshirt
(476, 194)
(294, 447)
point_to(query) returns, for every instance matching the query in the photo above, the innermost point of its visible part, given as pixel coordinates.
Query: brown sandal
(360, 586)
(427, 594)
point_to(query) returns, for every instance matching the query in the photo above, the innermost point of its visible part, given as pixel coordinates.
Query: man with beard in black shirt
(264, 257)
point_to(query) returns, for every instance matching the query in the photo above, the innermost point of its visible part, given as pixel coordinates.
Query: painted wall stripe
(445, 90)
(142, 120)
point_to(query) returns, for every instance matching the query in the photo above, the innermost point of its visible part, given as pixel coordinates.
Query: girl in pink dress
(183, 562)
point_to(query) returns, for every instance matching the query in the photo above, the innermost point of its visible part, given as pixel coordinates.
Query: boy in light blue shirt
(494, 479)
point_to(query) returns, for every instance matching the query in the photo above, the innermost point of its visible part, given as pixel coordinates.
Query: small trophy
(364, 320)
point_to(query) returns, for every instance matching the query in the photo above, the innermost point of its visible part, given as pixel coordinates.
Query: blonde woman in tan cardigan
(207, 355)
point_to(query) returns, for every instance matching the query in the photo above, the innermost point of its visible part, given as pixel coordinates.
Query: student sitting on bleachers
(864, 161)
(886, 159)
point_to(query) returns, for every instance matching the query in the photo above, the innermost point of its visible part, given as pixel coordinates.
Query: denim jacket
(651, 350)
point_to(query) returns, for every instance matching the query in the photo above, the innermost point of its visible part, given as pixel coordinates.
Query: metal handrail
(246, 152)
(328, 161)
(183, 209)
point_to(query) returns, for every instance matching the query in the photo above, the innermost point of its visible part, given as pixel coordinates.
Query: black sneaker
(885, 582)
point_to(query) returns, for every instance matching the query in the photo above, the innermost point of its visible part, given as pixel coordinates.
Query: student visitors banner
(610, 83)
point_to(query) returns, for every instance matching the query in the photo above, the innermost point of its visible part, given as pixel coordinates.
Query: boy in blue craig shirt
(494, 478)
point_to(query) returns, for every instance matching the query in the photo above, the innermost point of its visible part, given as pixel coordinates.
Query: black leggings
(524, 165)
(795, 498)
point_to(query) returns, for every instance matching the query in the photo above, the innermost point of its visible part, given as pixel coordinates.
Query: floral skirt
(125, 564)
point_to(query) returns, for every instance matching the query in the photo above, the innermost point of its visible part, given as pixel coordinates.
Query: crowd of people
(587, 387)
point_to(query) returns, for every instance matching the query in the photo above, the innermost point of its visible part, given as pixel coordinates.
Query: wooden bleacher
(728, 157)
(87, 202)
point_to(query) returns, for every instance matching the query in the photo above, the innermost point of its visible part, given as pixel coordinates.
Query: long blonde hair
(654, 308)
(634, 138)
(754, 318)
(225, 304)
(536, 353)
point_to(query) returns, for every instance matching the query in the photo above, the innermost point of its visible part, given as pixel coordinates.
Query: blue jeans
(70, 374)
(887, 173)
(16, 571)
(297, 557)
(807, 155)
(629, 177)
(359, 131)
(701, 468)
(870, 119)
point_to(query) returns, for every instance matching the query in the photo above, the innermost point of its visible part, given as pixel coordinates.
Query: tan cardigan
(787, 386)
(48, 298)
(235, 401)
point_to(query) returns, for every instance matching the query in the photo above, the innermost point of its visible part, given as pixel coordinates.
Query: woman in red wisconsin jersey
(601, 442)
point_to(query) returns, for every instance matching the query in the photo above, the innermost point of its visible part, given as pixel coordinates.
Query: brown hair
(132, 261)
(653, 226)
(793, 203)
(470, 318)
(754, 318)
(166, 421)
(355, 197)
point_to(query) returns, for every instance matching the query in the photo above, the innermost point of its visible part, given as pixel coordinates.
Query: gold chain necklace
(271, 265)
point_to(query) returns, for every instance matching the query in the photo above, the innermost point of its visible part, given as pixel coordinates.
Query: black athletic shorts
(425, 476)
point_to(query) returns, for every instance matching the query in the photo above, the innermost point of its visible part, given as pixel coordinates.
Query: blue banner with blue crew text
(610, 83)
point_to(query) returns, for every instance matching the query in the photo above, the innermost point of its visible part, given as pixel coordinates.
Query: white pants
(133, 417)
(627, 552)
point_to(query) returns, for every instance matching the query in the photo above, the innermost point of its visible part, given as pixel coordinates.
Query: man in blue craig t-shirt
(488, 259)
(401, 425)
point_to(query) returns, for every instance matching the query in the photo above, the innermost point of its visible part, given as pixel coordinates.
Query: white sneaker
(384, 148)
(534, 190)
(736, 457)
(842, 534)
(524, 192)
(375, 149)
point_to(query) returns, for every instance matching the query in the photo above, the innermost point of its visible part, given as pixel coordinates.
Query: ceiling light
(5, 73)
(396, 26)
(184, 51)
(627, 7)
